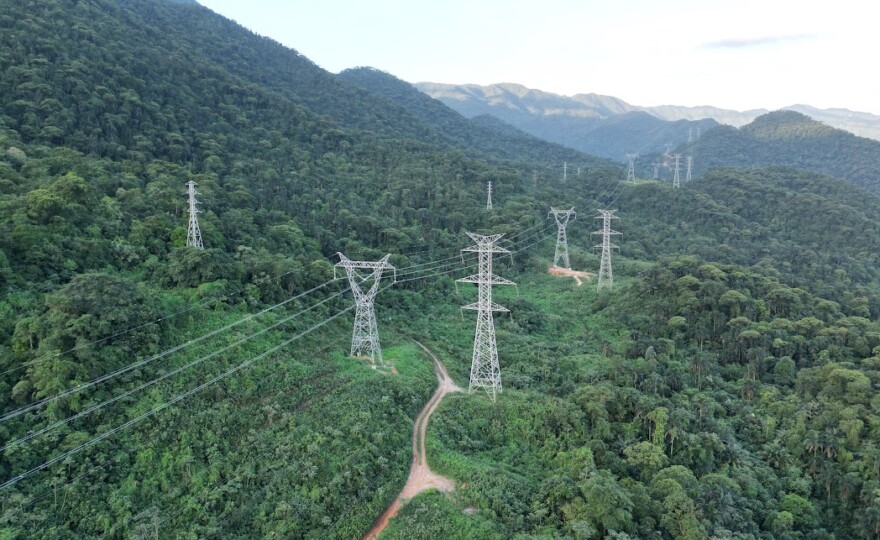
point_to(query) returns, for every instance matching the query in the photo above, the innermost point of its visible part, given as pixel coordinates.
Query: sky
(734, 54)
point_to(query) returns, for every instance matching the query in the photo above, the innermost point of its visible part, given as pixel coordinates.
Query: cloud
(742, 43)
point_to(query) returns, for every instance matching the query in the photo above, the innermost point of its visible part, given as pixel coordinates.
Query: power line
(263, 433)
(141, 363)
(161, 378)
(177, 398)
(195, 307)
(458, 269)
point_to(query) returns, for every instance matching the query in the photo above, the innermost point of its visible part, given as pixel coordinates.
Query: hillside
(724, 388)
(794, 140)
(493, 142)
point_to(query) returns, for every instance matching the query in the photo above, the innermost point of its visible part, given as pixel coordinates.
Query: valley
(723, 385)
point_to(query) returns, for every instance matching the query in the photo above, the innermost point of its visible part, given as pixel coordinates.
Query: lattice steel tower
(564, 171)
(193, 233)
(365, 336)
(631, 170)
(489, 196)
(562, 219)
(656, 170)
(606, 278)
(676, 175)
(485, 371)
(690, 164)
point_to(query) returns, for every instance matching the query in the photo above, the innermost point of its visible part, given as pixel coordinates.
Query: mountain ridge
(790, 139)
(593, 105)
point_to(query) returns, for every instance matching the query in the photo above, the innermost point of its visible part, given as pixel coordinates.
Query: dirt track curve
(420, 476)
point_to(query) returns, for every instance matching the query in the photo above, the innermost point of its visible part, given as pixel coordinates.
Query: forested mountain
(792, 139)
(599, 125)
(726, 387)
(524, 108)
(493, 141)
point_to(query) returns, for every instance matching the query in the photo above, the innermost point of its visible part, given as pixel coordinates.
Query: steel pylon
(485, 370)
(606, 277)
(365, 287)
(631, 170)
(562, 218)
(193, 233)
(676, 175)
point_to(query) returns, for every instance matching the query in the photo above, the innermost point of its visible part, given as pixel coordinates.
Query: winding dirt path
(421, 477)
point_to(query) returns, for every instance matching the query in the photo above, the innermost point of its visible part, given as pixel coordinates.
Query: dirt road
(420, 476)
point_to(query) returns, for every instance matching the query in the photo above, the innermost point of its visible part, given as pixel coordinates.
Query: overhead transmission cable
(175, 399)
(103, 378)
(93, 408)
(195, 307)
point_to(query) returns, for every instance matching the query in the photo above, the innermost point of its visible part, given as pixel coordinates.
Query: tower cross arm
(490, 280)
(345, 262)
(486, 249)
(477, 306)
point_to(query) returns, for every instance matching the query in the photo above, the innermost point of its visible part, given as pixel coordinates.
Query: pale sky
(739, 54)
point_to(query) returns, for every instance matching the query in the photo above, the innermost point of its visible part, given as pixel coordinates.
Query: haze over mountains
(588, 121)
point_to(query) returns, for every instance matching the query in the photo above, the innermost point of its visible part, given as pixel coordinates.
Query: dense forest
(726, 387)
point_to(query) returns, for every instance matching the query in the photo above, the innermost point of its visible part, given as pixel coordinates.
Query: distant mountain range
(610, 127)
(785, 138)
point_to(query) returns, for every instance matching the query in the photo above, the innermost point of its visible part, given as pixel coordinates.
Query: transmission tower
(631, 170)
(606, 278)
(193, 233)
(656, 170)
(489, 196)
(485, 371)
(562, 219)
(564, 171)
(676, 176)
(579, 172)
(690, 134)
(365, 336)
(690, 164)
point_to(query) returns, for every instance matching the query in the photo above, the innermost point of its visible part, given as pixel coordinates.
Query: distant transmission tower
(564, 171)
(485, 371)
(606, 278)
(193, 233)
(365, 336)
(676, 176)
(631, 170)
(656, 170)
(690, 135)
(489, 196)
(562, 219)
(690, 164)
(579, 172)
